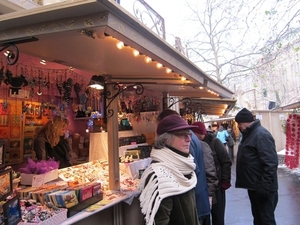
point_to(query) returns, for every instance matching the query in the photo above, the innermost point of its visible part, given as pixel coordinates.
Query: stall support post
(165, 100)
(113, 144)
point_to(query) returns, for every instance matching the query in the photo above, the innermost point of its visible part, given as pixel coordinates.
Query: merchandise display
(35, 213)
(96, 170)
(73, 194)
(80, 189)
(87, 172)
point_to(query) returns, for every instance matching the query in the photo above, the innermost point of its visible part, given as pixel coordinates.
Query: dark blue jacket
(201, 191)
(257, 160)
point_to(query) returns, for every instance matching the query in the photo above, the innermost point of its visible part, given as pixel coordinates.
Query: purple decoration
(40, 167)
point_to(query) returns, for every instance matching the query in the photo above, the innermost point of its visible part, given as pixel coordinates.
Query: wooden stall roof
(84, 35)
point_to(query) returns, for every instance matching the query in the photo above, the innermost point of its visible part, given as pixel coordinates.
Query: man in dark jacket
(256, 168)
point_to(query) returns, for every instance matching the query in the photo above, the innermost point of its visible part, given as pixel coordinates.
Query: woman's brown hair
(52, 129)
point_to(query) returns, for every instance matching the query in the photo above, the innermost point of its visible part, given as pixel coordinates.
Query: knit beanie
(244, 116)
(200, 129)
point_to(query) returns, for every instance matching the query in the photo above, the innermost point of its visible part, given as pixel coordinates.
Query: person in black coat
(60, 152)
(256, 168)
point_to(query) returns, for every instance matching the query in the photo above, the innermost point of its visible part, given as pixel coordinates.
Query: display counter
(116, 207)
(122, 209)
(127, 207)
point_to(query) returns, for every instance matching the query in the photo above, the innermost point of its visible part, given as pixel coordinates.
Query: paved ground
(238, 210)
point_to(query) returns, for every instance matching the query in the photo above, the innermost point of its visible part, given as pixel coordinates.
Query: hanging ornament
(59, 86)
(39, 92)
(67, 87)
(46, 82)
(15, 83)
(78, 89)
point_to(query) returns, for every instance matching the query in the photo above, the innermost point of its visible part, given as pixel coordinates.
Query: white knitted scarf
(166, 179)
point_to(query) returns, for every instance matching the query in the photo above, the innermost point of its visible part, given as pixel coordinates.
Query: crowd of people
(190, 172)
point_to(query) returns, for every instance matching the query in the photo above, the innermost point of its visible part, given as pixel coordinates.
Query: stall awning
(84, 34)
(223, 119)
(208, 106)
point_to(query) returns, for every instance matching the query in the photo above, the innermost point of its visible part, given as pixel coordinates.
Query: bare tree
(234, 38)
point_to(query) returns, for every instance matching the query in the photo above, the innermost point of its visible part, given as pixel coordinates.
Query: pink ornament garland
(292, 141)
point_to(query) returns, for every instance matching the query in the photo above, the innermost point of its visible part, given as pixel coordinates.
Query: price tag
(37, 180)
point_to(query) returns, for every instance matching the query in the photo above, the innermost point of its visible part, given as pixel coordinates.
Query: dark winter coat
(210, 169)
(177, 210)
(60, 153)
(230, 139)
(257, 160)
(221, 158)
(201, 191)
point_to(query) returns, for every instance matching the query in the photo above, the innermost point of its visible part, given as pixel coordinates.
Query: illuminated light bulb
(6, 53)
(148, 59)
(168, 70)
(135, 52)
(183, 78)
(201, 87)
(159, 65)
(120, 45)
(87, 130)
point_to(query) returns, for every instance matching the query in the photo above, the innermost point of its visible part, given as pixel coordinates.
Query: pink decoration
(292, 141)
